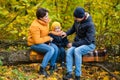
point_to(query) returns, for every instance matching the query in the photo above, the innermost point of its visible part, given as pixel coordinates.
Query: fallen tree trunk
(16, 57)
(28, 56)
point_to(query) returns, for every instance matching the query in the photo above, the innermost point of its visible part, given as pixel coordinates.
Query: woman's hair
(41, 12)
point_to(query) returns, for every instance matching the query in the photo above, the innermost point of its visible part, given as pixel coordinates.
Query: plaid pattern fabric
(95, 56)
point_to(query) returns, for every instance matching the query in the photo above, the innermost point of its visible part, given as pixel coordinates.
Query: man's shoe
(77, 77)
(42, 71)
(67, 76)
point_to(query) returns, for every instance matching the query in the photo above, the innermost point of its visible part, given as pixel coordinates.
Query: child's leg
(62, 54)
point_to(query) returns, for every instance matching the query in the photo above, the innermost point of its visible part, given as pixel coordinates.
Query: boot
(77, 77)
(63, 65)
(42, 71)
(52, 69)
(67, 76)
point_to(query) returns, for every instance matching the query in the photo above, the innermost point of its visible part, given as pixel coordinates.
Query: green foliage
(17, 15)
(19, 75)
(1, 63)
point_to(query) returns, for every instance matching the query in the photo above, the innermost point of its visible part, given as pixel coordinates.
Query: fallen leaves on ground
(29, 72)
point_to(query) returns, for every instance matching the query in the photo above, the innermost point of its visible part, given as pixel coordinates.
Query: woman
(39, 40)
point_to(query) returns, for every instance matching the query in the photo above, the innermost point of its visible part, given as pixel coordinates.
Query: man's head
(79, 14)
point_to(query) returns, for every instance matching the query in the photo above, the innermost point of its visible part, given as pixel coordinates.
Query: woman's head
(42, 14)
(56, 26)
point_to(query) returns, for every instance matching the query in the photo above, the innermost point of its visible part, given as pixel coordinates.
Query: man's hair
(41, 12)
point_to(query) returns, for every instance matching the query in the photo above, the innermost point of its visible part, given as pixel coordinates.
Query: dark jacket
(59, 41)
(85, 32)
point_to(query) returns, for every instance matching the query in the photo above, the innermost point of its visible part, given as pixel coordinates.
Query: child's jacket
(59, 41)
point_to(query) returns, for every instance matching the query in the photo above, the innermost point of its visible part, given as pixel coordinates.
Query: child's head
(56, 26)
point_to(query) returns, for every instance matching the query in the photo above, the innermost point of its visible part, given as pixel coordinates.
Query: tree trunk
(18, 57)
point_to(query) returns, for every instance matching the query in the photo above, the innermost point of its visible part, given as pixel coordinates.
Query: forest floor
(29, 72)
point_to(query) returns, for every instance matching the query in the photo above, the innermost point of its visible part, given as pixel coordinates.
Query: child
(59, 41)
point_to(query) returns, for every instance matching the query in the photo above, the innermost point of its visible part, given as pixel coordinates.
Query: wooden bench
(99, 55)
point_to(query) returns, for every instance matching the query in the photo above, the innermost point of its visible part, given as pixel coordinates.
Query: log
(28, 56)
(17, 57)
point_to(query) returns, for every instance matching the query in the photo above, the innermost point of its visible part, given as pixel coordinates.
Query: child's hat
(55, 24)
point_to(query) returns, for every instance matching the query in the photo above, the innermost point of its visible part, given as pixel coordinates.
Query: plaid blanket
(95, 56)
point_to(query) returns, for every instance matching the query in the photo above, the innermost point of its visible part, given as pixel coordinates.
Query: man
(84, 42)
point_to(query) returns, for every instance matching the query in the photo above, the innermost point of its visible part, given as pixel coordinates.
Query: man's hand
(63, 34)
(69, 45)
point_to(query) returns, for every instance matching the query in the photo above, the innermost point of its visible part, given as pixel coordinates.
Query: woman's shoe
(42, 71)
(77, 77)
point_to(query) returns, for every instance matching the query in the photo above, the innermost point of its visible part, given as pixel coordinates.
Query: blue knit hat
(79, 12)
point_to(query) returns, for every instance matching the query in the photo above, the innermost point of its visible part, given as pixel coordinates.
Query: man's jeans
(77, 52)
(50, 51)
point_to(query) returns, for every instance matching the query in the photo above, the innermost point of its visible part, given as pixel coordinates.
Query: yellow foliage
(116, 72)
(106, 78)
(51, 79)
(103, 73)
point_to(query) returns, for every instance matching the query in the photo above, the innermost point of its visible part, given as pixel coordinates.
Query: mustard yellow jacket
(38, 32)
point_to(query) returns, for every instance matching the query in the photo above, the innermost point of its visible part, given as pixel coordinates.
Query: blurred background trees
(17, 15)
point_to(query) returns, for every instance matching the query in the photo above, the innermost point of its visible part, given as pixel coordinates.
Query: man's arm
(71, 30)
(90, 34)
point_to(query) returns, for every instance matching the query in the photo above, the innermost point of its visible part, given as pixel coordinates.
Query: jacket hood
(87, 19)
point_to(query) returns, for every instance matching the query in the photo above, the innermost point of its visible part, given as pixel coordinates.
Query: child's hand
(69, 45)
(51, 39)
